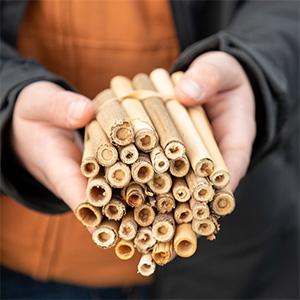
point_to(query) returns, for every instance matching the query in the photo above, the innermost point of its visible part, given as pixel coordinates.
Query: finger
(47, 102)
(209, 74)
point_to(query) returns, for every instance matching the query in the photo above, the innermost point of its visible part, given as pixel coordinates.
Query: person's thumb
(208, 75)
(47, 102)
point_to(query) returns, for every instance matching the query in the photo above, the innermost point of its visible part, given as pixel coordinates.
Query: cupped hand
(44, 137)
(218, 81)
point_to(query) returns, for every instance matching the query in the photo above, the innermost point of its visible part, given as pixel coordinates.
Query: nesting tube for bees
(223, 202)
(124, 249)
(128, 227)
(169, 137)
(114, 210)
(145, 135)
(159, 160)
(89, 166)
(163, 227)
(133, 194)
(142, 170)
(204, 227)
(118, 175)
(128, 154)
(144, 240)
(180, 190)
(180, 166)
(197, 153)
(98, 191)
(183, 213)
(200, 210)
(106, 234)
(165, 202)
(114, 120)
(88, 214)
(146, 266)
(160, 183)
(185, 240)
(144, 215)
(163, 253)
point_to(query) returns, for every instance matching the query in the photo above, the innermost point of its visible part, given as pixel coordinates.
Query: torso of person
(86, 42)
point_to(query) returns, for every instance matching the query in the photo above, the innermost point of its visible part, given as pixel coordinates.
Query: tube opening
(89, 167)
(202, 192)
(122, 134)
(144, 215)
(162, 230)
(124, 249)
(159, 182)
(112, 210)
(119, 175)
(87, 215)
(179, 164)
(97, 193)
(222, 203)
(219, 178)
(143, 172)
(161, 164)
(103, 237)
(146, 140)
(185, 246)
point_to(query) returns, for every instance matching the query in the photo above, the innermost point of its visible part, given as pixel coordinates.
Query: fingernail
(75, 111)
(191, 88)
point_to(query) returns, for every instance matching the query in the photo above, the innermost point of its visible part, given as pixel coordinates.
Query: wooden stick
(159, 161)
(146, 266)
(180, 190)
(124, 249)
(162, 253)
(223, 202)
(144, 240)
(89, 166)
(142, 170)
(106, 234)
(144, 215)
(200, 210)
(145, 135)
(220, 176)
(118, 175)
(98, 192)
(200, 187)
(204, 227)
(169, 137)
(160, 183)
(128, 154)
(105, 152)
(196, 151)
(114, 120)
(183, 213)
(133, 194)
(88, 214)
(185, 240)
(165, 202)
(180, 166)
(128, 227)
(114, 210)
(163, 228)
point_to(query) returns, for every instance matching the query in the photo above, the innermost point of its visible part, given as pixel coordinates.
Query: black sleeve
(16, 73)
(264, 37)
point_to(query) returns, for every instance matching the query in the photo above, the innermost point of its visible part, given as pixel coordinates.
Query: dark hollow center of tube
(97, 193)
(87, 215)
(146, 140)
(89, 167)
(143, 172)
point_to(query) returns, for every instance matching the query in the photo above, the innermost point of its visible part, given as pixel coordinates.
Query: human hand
(218, 81)
(45, 141)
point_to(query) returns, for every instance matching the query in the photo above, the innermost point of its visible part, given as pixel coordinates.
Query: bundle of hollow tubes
(156, 178)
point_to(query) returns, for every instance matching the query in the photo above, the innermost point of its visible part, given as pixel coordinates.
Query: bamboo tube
(165, 202)
(118, 175)
(128, 154)
(204, 227)
(183, 213)
(163, 228)
(144, 215)
(160, 183)
(159, 161)
(223, 202)
(180, 166)
(145, 135)
(220, 176)
(89, 166)
(185, 240)
(128, 227)
(162, 253)
(180, 190)
(133, 194)
(98, 192)
(200, 210)
(88, 214)
(105, 153)
(114, 210)
(146, 266)
(200, 187)
(106, 234)
(144, 240)
(114, 120)
(197, 153)
(176, 76)
(124, 249)
(169, 137)
(142, 170)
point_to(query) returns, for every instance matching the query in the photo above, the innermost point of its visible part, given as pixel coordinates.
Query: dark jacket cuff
(270, 113)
